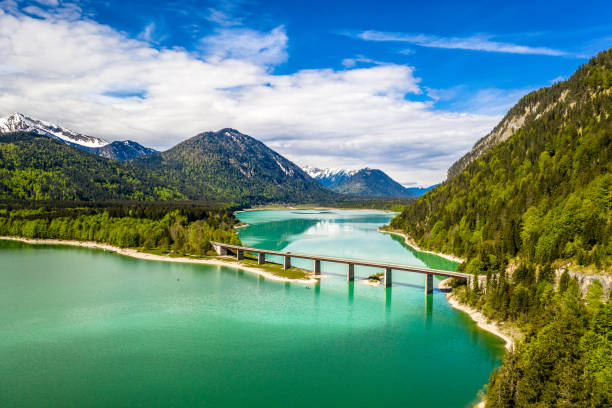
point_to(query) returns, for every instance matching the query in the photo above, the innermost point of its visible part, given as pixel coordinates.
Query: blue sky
(403, 86)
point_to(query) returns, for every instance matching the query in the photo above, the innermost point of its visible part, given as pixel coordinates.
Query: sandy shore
(478, 317)
(152, 257)
(414, 246)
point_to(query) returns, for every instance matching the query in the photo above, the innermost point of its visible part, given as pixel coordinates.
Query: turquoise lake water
(83, 327)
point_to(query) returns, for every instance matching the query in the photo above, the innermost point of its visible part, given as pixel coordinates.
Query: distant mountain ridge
(328, 177)
(224, 166)
(364, 182)
(118, 150)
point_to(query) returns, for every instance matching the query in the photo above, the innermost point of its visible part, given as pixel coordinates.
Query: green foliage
(566, 357)
(544, 197)
(545, 194)
(38, 168)
(170, 231)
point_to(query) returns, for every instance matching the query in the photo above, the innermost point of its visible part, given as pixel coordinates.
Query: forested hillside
(539, 200)
(227, 165)
(544, 194)
(224, 166)
(34, 167)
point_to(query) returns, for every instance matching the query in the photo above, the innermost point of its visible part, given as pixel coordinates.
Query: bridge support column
(350, 273)
(261, 258)
(239, 254)
(317, 267)
(287, 263)
(428, 284)
(388, 278)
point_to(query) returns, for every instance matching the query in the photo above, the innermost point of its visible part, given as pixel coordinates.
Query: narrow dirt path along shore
(153, 257)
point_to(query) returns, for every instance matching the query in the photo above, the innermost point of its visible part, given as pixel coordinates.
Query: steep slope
(527, 111)
(119, 150)
(373, 183)
(36, 167)
(544, 192)
(231, 166)
(530, 212)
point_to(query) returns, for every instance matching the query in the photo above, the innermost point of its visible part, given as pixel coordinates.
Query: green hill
(542, 194)
(228, 165)
(34, 167)
(214, 166)
(530, 207)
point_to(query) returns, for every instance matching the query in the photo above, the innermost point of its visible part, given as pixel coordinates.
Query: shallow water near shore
(83, 327)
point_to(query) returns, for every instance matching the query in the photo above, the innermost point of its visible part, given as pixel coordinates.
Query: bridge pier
(428, 284)
(239, 254)
(261, 258)
(287, 262)
(388, 278)
(350, 273)
(317, 267)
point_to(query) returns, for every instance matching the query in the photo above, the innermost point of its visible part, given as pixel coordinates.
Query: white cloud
(243, 43)
(475, 43)
(67, 71)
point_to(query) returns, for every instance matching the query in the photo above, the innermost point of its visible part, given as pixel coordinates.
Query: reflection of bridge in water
(225, 249)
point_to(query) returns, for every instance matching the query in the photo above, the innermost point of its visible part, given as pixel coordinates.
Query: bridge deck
(397, 267)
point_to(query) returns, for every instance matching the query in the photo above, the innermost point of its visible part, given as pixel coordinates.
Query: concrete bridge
(238, 251)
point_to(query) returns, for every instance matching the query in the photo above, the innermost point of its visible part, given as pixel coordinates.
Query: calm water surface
(83, 327)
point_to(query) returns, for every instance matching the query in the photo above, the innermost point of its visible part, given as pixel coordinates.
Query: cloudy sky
(401, 86)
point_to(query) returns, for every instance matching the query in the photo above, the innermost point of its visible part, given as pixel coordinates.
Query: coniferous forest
(526, 214)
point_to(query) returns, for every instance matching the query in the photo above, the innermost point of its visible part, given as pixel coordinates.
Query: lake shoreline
(134, 253)
(481, 320)
(414, 246)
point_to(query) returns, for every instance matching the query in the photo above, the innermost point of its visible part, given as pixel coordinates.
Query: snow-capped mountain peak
(16, 122)
(328, 176)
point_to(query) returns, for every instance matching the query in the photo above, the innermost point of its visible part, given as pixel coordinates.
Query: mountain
(542, 193)
(372, 183)
(328, 177)
(530, 209)
(527, 111)
(214, 166)
(364, 182)
(17, 122)
(120, 150)
(229, 165)
(37, 167)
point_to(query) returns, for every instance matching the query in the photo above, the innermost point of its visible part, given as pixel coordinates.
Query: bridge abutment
(221, 251)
